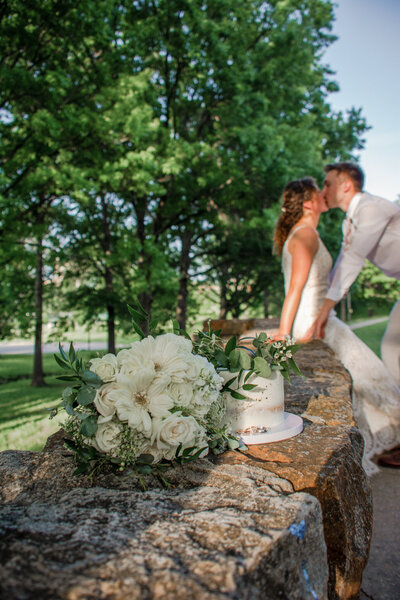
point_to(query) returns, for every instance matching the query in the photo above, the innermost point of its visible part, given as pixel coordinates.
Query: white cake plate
(292, 425)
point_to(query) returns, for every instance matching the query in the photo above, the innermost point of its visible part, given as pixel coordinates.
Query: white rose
(174, 430)
(195, 364)
(105, 402)
(106, 367)
(181, 393)
(106, 437)
(131, 360)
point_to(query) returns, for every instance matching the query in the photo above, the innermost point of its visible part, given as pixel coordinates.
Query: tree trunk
(110, 313)
(108, 279)
(223, 304)
(266, 304)
(144, 262)
(184, 264)
(37, 377)
(146, 300)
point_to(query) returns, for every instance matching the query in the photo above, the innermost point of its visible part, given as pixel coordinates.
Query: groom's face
(332, 189)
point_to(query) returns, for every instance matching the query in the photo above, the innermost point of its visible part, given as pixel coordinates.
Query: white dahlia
(137, 398)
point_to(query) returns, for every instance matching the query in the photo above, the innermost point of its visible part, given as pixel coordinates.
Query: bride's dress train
(376, 397)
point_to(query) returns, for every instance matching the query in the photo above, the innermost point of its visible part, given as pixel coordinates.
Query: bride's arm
(302, 247)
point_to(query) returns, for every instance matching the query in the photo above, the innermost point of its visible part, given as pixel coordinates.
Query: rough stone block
(223, 532)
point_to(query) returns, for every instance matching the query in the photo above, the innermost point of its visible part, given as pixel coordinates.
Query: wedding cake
(263, 408)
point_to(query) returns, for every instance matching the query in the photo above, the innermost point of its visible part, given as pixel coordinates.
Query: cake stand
(292, 425)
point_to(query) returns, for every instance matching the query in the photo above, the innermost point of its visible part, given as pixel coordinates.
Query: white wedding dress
(375, 396)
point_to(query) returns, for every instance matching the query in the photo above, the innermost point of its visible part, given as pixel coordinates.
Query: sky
(366, 61)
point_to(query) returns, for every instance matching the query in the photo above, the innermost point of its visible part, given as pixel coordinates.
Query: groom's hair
(352, 171)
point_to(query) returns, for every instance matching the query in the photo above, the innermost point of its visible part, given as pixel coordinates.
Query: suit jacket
(371, 230)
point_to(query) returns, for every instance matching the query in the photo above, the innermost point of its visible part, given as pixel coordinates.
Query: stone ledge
(250, 525)
(325, 460)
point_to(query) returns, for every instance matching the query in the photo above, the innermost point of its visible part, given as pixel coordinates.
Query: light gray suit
(371, 231)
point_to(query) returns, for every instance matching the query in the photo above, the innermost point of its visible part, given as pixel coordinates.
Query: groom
(371, 230)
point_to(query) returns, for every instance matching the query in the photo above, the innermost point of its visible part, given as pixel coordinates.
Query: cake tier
(263, 407)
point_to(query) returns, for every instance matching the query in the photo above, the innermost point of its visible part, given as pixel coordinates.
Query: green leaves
(83, 393)
(86, 395)
(262, 367)
(89, 426)
(91, 379)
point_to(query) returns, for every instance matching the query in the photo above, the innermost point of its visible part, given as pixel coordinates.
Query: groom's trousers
(390, 345)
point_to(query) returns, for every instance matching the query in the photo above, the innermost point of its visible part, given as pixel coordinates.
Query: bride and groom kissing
(371, 230)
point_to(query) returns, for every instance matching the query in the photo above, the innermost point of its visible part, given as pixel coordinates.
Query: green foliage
(374, 289)
(258, 355)
(145, 146)
(24, 423)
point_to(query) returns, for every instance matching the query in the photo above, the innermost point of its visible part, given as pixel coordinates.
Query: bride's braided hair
(294, 195)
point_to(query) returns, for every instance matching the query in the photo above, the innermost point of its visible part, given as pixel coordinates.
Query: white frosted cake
(263, 407)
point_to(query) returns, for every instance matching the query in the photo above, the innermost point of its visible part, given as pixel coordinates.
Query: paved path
(381, 580)
(368, 322)
(7, 348)
(27, 348)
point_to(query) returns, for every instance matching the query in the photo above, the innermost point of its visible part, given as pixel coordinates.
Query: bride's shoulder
(305, 235)
(304, 232)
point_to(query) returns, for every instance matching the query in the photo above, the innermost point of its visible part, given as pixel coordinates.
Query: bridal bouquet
(162, 400)
(153, 403)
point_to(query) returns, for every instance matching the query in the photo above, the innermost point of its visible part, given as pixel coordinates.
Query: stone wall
(288, 520)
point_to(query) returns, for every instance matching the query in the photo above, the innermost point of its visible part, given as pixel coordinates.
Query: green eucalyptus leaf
(144, 469)
(69, 410)
(231, 345)
(67, 393)
(233, 444)
(91, 379)
(145, 459)
(262, 367)
(221, 357)
(244, 360)
(86, 395)
(89, 426)
(234, 359)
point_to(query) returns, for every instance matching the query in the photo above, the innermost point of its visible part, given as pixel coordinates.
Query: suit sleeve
(367, 228)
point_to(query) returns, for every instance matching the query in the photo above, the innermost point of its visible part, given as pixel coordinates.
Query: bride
(306, 264)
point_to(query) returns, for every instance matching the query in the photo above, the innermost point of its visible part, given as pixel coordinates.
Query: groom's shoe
(390, 458)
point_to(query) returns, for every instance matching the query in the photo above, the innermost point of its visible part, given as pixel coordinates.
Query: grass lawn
(24, 423)
(372, 335)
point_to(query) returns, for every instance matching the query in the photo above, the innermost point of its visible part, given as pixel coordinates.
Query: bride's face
(318, 203)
